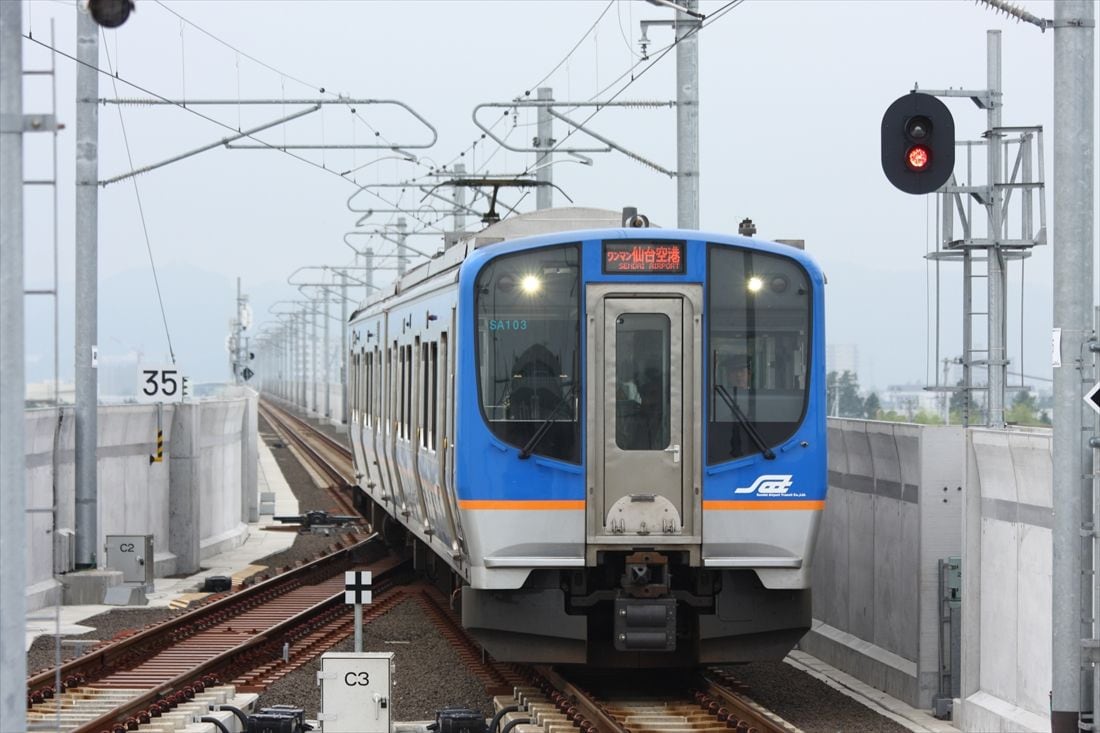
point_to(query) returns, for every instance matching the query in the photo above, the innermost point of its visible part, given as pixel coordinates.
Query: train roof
(544, 221)
(530, 224)
(547, 221)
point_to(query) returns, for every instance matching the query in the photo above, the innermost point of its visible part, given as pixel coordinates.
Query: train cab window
(528, 346)
(758, 335)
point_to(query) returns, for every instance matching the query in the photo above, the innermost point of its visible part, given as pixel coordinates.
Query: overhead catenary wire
(208, 118)
(320, 88)
(713, 17)
(141, 209)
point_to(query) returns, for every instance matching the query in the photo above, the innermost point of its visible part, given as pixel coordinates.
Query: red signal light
(918, 158)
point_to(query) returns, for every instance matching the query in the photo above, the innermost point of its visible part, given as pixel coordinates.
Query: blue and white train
(614, 437)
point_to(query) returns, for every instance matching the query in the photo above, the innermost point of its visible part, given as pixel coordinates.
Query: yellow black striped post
(159, 457)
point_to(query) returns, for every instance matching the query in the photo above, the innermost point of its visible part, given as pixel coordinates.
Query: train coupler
(645, 624)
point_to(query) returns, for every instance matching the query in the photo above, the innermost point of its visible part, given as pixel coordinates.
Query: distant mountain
(198, 307)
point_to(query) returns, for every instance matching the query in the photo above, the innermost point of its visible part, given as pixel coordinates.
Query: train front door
(642, 392)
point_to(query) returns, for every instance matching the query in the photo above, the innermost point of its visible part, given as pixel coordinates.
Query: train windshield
(528, 345)
(758, 339)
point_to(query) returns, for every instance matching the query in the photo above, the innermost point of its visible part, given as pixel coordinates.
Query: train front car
(640, 455)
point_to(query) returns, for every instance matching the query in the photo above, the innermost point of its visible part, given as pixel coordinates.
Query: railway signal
(918, 143)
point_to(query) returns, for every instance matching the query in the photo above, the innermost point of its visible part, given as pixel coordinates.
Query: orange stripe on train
(520, 504)
(773, 505)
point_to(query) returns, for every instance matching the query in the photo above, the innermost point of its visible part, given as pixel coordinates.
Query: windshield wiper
(744, 421)
(543, 429)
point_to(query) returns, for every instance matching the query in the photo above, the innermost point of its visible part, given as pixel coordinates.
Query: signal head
(918, 143)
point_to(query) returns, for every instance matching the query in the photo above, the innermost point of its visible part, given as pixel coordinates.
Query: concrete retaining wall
(893, 510)
(1007, 563)
(202, 499)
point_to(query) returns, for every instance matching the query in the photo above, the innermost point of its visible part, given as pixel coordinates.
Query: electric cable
(141, 209)
(208, 118)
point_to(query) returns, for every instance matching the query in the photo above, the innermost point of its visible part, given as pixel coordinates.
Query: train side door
(643, 403)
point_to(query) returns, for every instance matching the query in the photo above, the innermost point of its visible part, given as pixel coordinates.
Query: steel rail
(99, 661)
(233, 659)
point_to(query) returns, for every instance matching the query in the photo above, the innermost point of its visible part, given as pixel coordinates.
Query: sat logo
(768, 485)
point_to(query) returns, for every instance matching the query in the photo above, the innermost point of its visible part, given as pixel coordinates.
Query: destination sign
(666, 258)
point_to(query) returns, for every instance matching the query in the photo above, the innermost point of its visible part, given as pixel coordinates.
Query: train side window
(425, 378)
(351, 393)
(366, 386)
(434, 363)
(391, 391)
(409, 392)
(378, 386)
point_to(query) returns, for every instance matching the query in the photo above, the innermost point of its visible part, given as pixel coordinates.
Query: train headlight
(755, 284)
(530, 284)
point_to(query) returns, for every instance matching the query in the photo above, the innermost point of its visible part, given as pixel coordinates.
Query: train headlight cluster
(530, 284)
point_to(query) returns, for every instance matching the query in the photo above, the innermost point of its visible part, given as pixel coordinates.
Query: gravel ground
(428, 674)
(808, 702)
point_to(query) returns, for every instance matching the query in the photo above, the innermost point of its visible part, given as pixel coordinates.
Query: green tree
(850, 404)
(872, 407)
(1024, 410)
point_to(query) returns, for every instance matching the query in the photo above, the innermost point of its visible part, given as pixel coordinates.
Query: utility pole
(343, 347)
(325, 354)
(460, 205)
(402, 253)
(87, 288)
(13, 498)
(996, 362)
(544, 193)
(1074, 202)
(687, 116)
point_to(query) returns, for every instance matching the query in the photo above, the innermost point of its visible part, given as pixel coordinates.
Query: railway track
(253, 637)
(328, 461)
(249, 637)
(624, 702)
(546, 697)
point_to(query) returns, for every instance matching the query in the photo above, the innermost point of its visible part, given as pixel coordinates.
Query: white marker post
(357, 591)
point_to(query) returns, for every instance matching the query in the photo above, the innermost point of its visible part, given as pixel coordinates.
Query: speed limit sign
(161, 384)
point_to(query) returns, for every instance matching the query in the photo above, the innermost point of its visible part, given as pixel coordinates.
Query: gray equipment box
(132, 555)
(356, 689)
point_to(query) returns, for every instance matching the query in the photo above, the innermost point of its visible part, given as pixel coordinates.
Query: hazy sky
(791, 95)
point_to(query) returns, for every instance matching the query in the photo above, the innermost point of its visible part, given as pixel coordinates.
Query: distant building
(909, 399)
(842, 358)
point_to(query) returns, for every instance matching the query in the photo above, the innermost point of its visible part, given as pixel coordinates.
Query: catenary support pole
(13, 497)
(402, 253)
(544, 194)
(460, 201)
(326, 355)
(303, 344)
(343, 347)
(314, 405)
(687, 117)
(1074, 202)
(87, 288)
(997, 365)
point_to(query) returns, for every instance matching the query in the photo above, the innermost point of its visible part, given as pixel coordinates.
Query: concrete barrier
(198, 500)
(1007, 564)
(894, 508)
